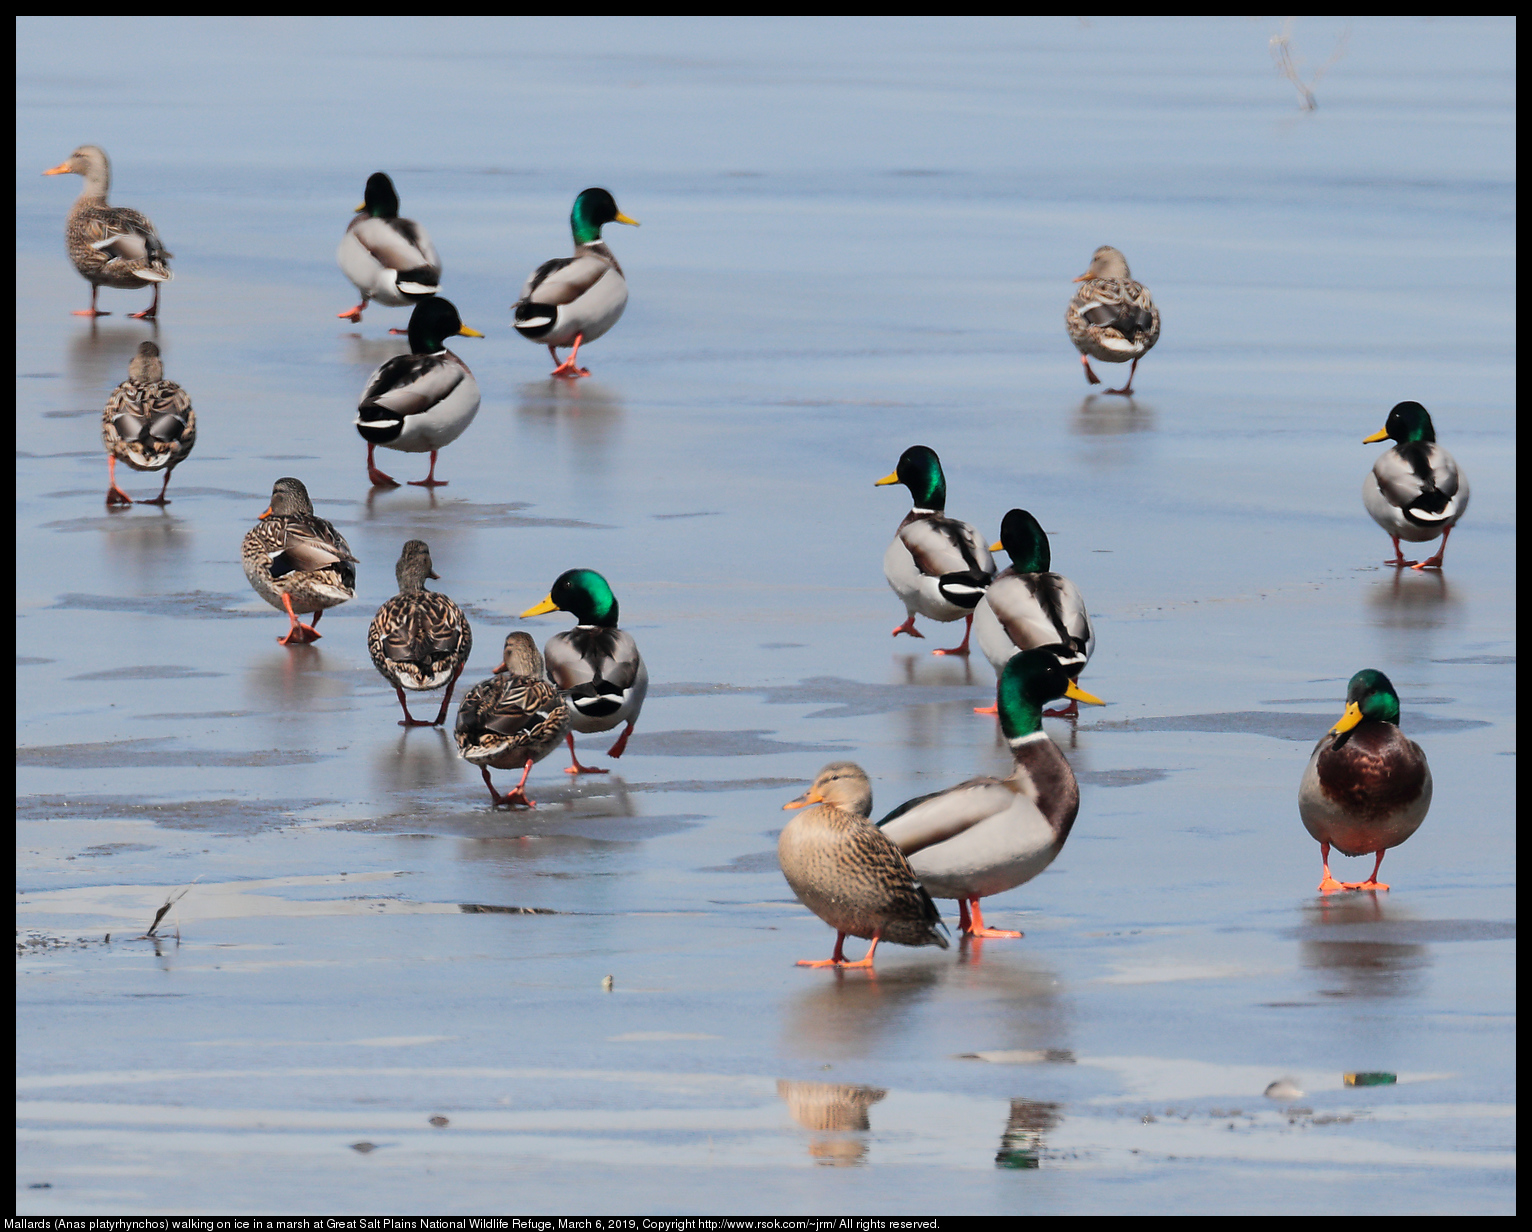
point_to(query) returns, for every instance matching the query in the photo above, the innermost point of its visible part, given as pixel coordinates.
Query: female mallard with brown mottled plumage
(1367, 786)
(515, 718)
(848, 873)
(1111, 317)
(1414, 490)
(1026, 606)
(148, 422)
(937, 565)
(596, 664)
(298, 562)
(989, 835)
(419, 639)
(111, 246)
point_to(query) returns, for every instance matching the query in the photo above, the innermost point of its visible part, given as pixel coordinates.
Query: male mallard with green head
(296, 561)
(595, 664)
(573, 300)
(390, 259)
(423, 401)
(111, 246)
(1414, 490)
(1367, 786)
(848, 873)
(989, 835)
(1111, 317)
(419, 639)
(515, 718)
(148, 422)
(1026, 606)
(937, 565)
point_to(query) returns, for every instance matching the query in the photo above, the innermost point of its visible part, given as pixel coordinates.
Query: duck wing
(952, 552)
(309, 545)
(564, 279)
(1422, 480)
(410, 385)
(597, 668)
(123, 234)
(398, 244)
(1041, 609)
(943, 815)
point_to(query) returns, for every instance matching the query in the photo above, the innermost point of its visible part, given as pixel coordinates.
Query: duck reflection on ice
(583, 414)
(420, 758)
(848, 1016)
(1413, 601)
(1098, 416)
(98, 357)
(831, 1108)
(293, 681)
(1022, 1144)
(1367, 963)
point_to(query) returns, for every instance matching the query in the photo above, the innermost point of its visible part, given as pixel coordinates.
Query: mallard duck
(936, 564)
(1111, 317)
(988, 835)
(1414, 490)
(596, 664)
(1026, 606)
(390, 259)
(422, 401)
(111, 246)
(844, 870)
(1367, 786)
(571, 300)
(419, 639)
(515, 718)
(298, 562)
(148, 422)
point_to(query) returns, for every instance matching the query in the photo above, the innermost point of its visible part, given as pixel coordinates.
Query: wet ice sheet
(898, 210)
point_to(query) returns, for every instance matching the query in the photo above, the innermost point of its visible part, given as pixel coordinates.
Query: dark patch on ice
(458, 513)
(755, 862)
(167, 672)
(218, 816)
(717, 785)
(1404, 702)
(180, 491)
(31, 661)
(782, 645)
(1120, 778)
(189, 605)
(1405, 932)
(1488, 660)
(200, 714)
(844, 699)
(492, 909)
(38, 376)
(1309, 727)
(746, 743)
(71, 414)
(111, 849)
(705, 513)
(288, 457)
(152, 751)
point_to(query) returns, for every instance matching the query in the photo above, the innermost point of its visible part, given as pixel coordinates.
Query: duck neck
(1053, 787)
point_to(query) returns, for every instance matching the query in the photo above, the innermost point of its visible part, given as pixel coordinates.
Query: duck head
(842, 785)
(520, 656)
(920, 470)
(433, 322)
(584, 594)
(414, 566)
(1370, 695)
(1106, 262)
(593, 209)
(1409, 421)
(1029, 682)
(289, 498)
(1025, 542)
(379, 200)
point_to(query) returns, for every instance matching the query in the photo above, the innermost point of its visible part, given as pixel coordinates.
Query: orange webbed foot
(1363, 885)
(986, 709)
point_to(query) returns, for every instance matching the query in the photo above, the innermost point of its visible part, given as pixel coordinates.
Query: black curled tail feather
(934, 918)
(964, 589)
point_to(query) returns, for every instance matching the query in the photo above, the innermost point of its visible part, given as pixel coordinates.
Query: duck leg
(1435, 562)
(1071, 711)
(908, 627)
(516, 795)
(1399, 562)
(1372, 882)
(1328, 884)
(569, 368)
(160, 499)
(92, 311)
(838, 959)
(1127, 390)
(1090, 377)
(299, 632)
(441, 715)
(379, 479)
(971, 922)
(574, 766)
(354, 315)
(114, 494)
(408, 720)
(962, 647)
(620, 747)
(430, 481)
(152, 311)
